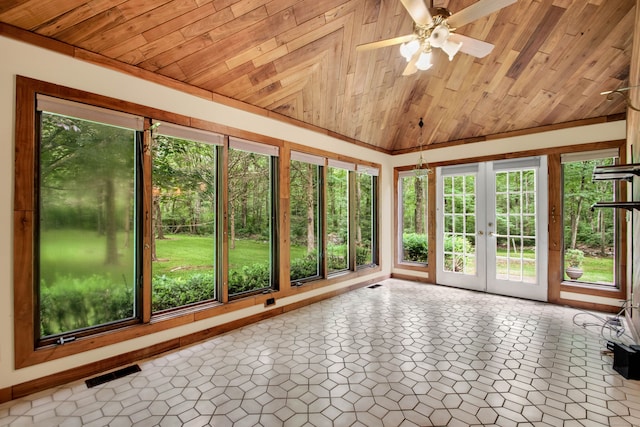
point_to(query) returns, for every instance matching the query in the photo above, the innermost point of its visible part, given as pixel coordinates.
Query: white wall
(26, 60)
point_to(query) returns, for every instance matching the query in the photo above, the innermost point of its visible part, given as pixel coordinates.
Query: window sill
(419, 266)
(610, 291)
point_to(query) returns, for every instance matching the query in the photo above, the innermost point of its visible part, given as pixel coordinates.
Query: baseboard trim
(410, 277)
(115, 362)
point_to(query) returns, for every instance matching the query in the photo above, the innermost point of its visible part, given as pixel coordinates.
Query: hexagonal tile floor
(403, 354)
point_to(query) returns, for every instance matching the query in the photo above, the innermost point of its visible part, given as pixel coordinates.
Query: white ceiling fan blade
(418, 11)
(477, 11)
(385, 43)
(471, 46)
(411, 66)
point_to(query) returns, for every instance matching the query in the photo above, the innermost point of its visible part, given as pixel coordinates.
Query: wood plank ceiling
(551, 60)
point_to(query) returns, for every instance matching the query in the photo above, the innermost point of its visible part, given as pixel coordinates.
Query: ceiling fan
(434, 28)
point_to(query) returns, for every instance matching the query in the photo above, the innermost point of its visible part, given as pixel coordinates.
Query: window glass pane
(337, 219)
(250, 227)
(414, 218)
(305, 221)
(589, 235)
(87, 224)
(184, 222)
(364, 219)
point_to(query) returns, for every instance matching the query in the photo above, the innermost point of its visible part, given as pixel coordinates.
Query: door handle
(480, 233)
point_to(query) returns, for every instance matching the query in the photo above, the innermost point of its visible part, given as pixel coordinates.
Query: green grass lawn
(181, 253)
(596, 270)
(80, 253)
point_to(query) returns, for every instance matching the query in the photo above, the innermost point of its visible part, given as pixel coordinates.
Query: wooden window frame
(320, 165)
(428, 267)
(557, 284)
(26, 353)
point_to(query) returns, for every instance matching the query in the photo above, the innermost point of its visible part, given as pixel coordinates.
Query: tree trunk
(575, 220)
(129, 215)
(575, 216)
(157, 209)
(311, 226)
(603, 235)
(111, 257)
(244, 207)
(357, 215)
(197, 213)
(232, 225)
(100, 210)
(419, 209)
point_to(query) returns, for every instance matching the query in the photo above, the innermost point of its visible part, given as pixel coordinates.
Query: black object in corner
(626, 360)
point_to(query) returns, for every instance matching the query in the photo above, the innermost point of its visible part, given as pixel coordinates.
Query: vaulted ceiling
(551, 60)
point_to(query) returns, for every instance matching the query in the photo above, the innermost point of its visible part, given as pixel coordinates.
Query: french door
(491, 227)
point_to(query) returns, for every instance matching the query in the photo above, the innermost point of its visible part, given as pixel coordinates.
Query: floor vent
(101, 379)
(377, 285)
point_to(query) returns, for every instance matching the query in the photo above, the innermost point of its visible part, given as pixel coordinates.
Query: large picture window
(365, 221)
(338, 215)
(184, 206)
(589, 234)
(305, 210)
(87, 217)
(412, 190)
(251, 208)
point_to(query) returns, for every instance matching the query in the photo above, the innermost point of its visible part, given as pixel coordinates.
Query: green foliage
(460, 246)
(180, 291)
(415, 247)
(363, 254)
(574, 257)
(251, 277)
(337, 257)
(71, 303)
(302, 268)
(582, 226)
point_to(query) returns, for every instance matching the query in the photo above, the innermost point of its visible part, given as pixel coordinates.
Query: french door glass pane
(184, 223)
(305, 223)
(87, 222)
(459, 225)
(515, 225)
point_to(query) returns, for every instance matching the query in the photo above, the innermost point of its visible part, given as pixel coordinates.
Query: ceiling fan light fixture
(439, 35)
(424, 61)
(407, 50)
(451, 48)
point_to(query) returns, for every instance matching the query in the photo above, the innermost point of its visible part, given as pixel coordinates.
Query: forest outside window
(365, 221)
(413, 215)
(590, 236)
(305, 225)
(185, 221)
(120, 220)
(87, 215)
(338, 215)
(252, 239)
